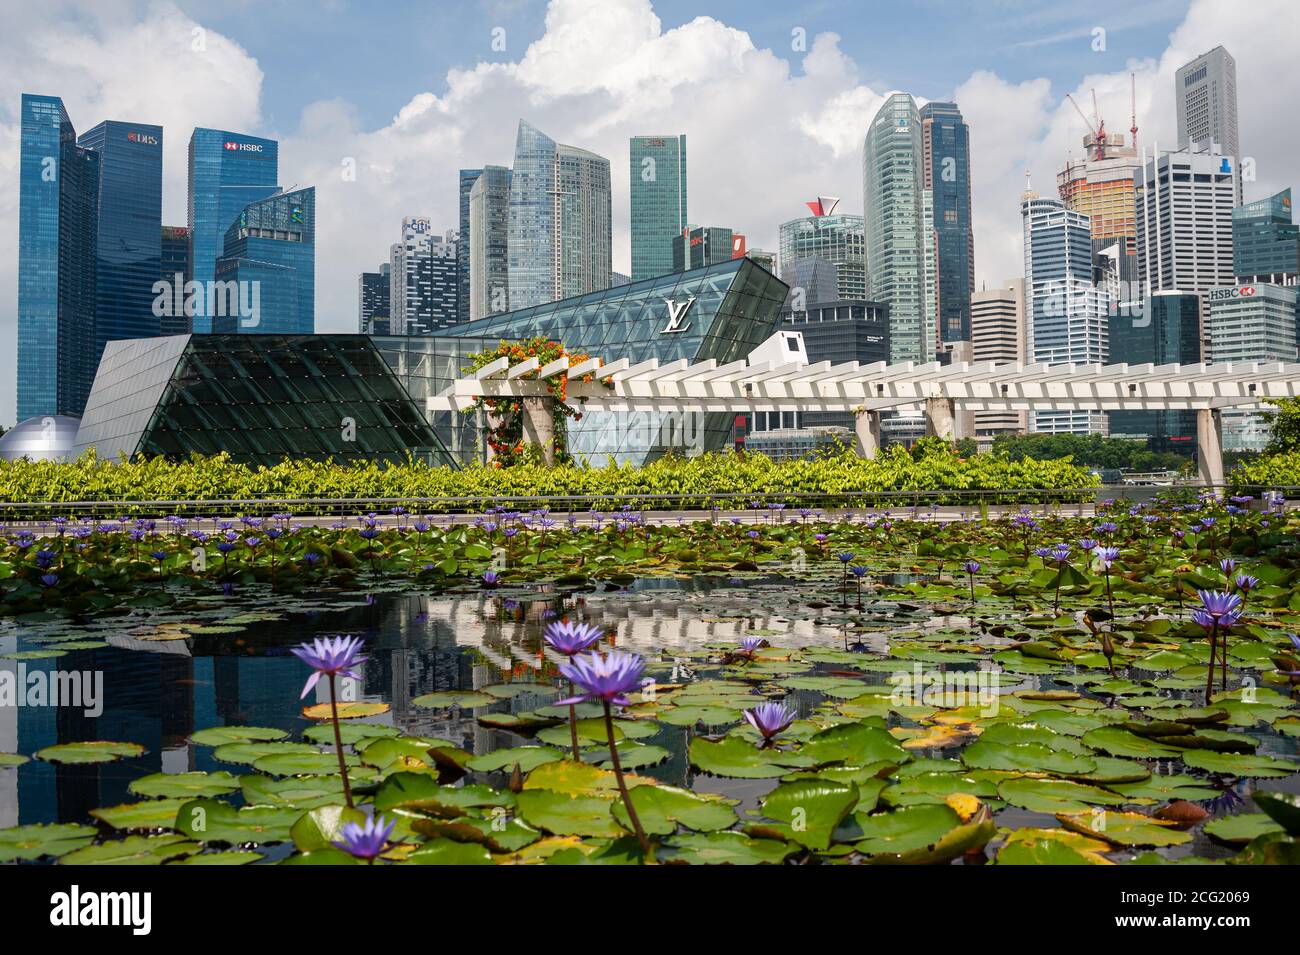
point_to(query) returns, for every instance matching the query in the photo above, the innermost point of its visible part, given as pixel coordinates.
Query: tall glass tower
(657, 178)
(463, 239)
(899, 230)
(58, 208)
(945, 139)
(128, 252)
(266, 276)
(227, 171)
(489, 230)
(560, 220)
(838, 239)
(1265, 242)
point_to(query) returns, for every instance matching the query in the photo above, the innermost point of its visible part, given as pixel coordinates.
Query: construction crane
(1096, 126)
(1133, 105)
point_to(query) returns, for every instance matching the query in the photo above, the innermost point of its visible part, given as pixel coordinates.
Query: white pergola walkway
(940, 391)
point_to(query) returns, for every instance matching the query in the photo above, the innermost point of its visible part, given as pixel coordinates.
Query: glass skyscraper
(128, 249)
(175, 249)
(57, 223)
(657, 183)
(560, 220)
(700, 246)
(1167, 332)
(488, 262)
(838, 239)
(463, 239)
(227, 171)
(899, 229)
(1265, 242)
(945, 139)
(266, 277)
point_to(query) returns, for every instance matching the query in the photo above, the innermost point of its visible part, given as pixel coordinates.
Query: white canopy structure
(940, 391)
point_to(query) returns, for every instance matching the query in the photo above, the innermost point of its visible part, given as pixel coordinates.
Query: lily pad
(99, 751)
(25, 843)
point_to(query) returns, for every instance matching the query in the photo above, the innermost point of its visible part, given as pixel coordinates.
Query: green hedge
(1274, 470)
(218, 478)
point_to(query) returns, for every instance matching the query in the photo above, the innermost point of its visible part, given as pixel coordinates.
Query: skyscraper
(899, 228)
(464, 240)
(835, 238)
(699, 246)
(657, 183)
(1265, 242)
(128, 247)
(998, 333)
(1168, 331)
(1065, 310)
(227, 171)
(58, 208)
(1250, 323)
(945, 140)
(423, 287)
(488, 261)
(1184, 220)
(1206, 93)
(560, 220)
(373, 302)
(267, 270)
(174, 248)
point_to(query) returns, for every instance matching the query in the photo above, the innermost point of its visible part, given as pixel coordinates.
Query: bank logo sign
(676, 315)
(237, 147)
(1236, 291)
(144, 139)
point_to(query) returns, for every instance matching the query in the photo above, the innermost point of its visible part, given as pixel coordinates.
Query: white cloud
(765, 133)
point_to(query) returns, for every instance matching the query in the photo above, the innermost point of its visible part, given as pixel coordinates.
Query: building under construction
(1102, 185)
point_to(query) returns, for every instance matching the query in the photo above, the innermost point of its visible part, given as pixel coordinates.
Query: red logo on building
(823, 205)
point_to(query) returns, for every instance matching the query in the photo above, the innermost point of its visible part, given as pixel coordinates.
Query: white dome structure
(43, 438)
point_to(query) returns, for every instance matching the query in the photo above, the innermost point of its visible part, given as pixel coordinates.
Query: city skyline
(1017, 120)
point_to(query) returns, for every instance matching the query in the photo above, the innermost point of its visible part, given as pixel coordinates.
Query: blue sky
(377, 55)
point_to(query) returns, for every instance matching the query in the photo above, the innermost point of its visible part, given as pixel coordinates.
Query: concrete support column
(539, 426)
(866, 424)
(941, 418)
(1209, 445)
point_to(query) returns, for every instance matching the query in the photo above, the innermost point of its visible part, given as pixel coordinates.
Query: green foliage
(1093, 450)
(220, 478)
(1270, 470)
(1284, 427)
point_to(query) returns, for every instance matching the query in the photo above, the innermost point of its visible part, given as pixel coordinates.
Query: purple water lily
(366, 840)
(330, 657)
(603, 678)
(571, 638)
(770, 718)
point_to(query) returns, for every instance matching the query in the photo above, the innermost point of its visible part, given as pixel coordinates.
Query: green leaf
(809, 810)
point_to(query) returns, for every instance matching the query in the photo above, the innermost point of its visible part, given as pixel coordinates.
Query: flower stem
(622, 786)
(338, 743)
(1209, 677)
(573, 724)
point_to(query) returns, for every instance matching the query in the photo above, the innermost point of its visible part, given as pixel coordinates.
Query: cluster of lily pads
(1034, 687)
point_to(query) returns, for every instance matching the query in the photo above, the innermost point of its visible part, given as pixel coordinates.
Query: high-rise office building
(945, 140)
(227, 171)
(1250, 323)
(58, 206)
(1265, 242)
(998, 333)
(1205, 91)
(489, 244)
(1184, 220)
(657, 183)
(373, 302)
(835, 238)
(174, 249)
(464, 240)
(267, 272)
(1104, 189)
(128, 247)
(1064, 307)
(899, 228)
(1166, 331)
(699, 246)
(560, 220)
(812, 281)
(423, 286)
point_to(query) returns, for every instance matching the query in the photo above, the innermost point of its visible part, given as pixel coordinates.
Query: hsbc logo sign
(1227, 294)
(144, 139)
(235, 147)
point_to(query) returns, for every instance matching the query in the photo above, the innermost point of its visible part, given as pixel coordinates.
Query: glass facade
(227, 171)
(946, 141)
(657, 178)
(128, 249)
(1265, 243)
(57, 224)
(899, 229)
(174, 249)
(372, 302)
(838, 239)
(260, 398)
(1168, 332)
(701, 246)
(721, 312)
(488, 258)
(466, 182)
(560, 220)
(266, 278)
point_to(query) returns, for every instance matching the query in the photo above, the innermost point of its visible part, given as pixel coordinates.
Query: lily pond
(768, 686)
